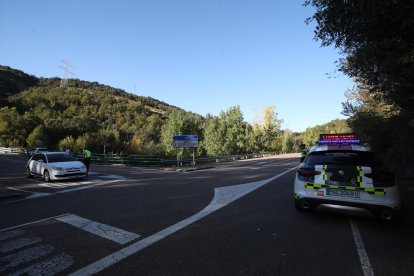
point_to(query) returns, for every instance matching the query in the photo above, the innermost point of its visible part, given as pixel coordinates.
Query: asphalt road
(232, 219)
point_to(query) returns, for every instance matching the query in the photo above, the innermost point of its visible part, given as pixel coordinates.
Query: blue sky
(201, 55)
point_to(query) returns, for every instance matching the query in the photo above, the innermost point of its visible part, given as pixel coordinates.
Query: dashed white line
(30, 223)
(25, 256)
(11, 234)
(103, 230)
(363, 256)
(50, 266)
(18, 243)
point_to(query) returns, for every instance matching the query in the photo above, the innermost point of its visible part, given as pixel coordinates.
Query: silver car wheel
(46, 176)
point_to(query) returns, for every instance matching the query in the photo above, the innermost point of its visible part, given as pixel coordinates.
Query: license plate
(342, 193)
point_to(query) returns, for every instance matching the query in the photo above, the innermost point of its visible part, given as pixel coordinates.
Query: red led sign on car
(343, 138)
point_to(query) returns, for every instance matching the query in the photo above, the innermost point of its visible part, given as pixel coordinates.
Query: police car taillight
(381, 179)
(307, 173)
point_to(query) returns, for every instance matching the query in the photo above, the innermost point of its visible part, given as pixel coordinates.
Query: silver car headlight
(57, 169)
(83, 167)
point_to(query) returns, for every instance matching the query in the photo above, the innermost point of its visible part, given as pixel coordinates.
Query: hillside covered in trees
(39, 112)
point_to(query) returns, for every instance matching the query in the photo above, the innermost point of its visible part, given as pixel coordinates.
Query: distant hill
(13, 81)
(38, 108)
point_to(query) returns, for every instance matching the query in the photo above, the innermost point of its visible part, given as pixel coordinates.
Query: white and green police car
(340, 173)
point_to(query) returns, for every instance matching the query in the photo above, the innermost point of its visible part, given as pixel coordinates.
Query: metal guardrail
(13, 150)
(149, 160)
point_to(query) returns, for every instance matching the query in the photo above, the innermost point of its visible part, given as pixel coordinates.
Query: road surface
(234, 218)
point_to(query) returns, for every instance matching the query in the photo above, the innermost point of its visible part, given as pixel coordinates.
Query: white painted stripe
(222, 197)
(87, 187)
(102, 230)
(61, 185)
(25, 256)
(363, 256)
(111, 176)
(50, 266)
(74, 189)
(11, 234)
(18, 243)
(33, 222)
(37, 195)
(19, 190)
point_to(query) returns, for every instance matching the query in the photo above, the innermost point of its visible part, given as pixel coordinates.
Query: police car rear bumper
(347, 206)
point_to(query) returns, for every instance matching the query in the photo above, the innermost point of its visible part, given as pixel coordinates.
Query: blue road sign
(185, 138)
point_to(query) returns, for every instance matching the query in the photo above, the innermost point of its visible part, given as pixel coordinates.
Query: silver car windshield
(60, 157)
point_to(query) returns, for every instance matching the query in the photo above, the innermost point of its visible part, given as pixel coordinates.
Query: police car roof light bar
(342, 138)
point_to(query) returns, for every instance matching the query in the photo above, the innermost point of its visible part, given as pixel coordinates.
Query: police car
(340, 173)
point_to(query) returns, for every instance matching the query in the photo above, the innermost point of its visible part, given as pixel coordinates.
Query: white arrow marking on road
(222, 197)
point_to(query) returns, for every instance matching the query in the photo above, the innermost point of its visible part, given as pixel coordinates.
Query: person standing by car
(87, 159)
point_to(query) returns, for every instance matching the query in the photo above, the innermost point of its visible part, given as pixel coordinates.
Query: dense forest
(376, 39)
(39, 112)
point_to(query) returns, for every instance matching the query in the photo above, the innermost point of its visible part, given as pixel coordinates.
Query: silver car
(55, 166)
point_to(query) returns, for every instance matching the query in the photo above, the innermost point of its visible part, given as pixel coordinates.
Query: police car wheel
(387, 216)
(299, 206)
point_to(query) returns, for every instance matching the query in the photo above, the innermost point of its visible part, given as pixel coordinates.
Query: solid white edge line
(363, 256)
(219, 200)
(33, 222)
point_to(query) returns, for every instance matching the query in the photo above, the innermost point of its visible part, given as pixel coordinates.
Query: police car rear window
(352, 158)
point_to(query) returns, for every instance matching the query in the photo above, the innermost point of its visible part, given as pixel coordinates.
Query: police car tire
(391, 216)
(298, 206)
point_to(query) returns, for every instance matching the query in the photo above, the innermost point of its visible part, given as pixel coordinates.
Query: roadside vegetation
(376, 39)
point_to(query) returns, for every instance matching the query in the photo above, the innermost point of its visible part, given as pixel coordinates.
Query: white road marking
(25, 256)
(363, 256)
(77, 188)
(18, 243)
(60, 185)
(111, 176)
(37, 195)
(102, 230)
(11, 234)
(222, 197)
(50, 266)
(33, 222)
(87, 187)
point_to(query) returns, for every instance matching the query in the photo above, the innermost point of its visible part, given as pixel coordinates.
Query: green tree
(38, 137)
(377, 38)
(288, 141)
(235, 139)
(214, 136)
(67, 143)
